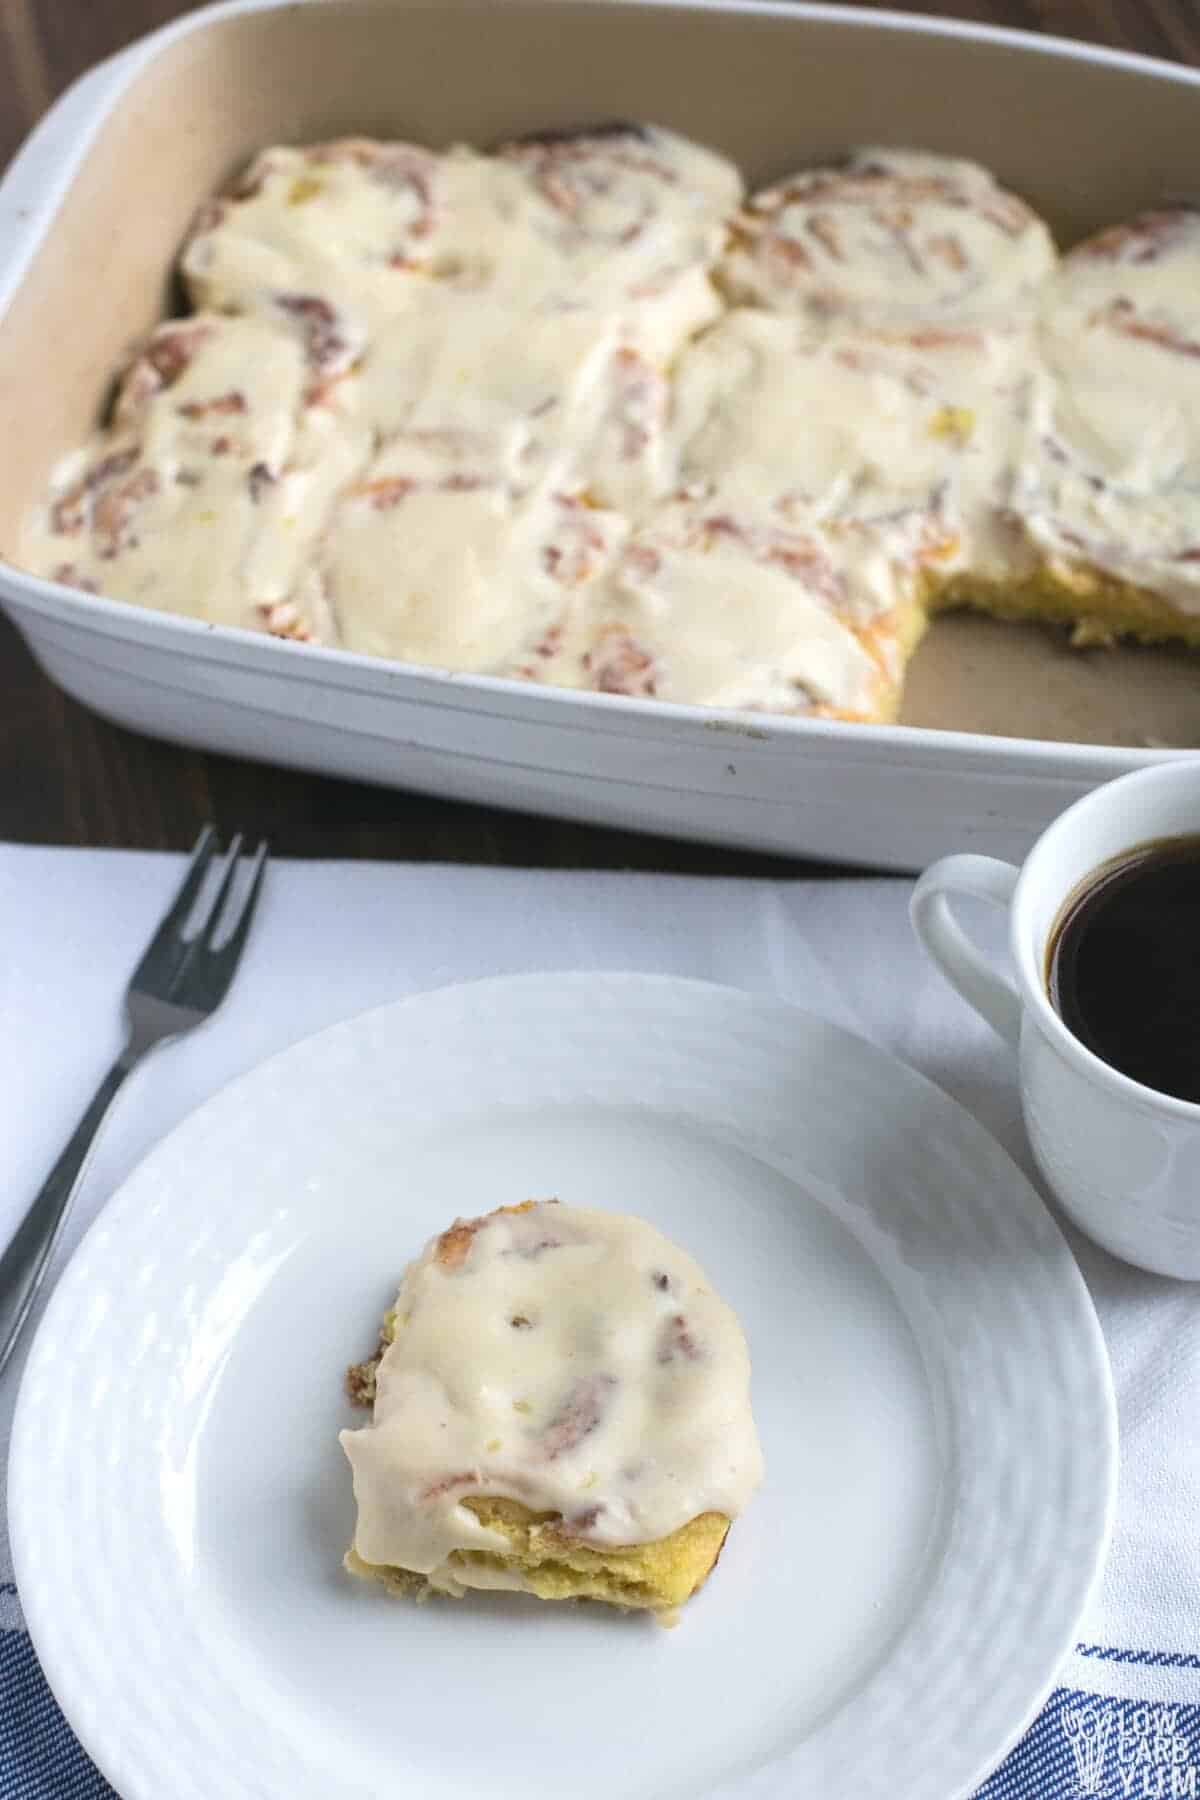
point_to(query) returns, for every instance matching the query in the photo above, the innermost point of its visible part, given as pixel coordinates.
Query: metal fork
(178, 983)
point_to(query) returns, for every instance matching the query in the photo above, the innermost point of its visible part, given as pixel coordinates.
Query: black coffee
(1123, 966)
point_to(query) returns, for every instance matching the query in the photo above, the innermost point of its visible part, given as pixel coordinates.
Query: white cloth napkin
(335, 938)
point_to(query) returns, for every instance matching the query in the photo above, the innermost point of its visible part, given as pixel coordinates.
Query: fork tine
(231, 949)
(170, 930)
(209, 930)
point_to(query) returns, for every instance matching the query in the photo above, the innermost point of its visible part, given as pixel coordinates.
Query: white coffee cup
(1123, 1160)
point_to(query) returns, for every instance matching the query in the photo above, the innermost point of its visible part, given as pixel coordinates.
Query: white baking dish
(92, 212)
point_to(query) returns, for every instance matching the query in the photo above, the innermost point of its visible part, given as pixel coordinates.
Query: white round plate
(930, 1385)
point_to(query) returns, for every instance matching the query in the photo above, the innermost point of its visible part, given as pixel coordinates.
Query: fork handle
(23, 1265)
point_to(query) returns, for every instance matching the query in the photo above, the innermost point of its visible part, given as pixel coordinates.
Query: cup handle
(944, 939)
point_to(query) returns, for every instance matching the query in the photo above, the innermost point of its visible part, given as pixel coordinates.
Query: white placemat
(335, 938)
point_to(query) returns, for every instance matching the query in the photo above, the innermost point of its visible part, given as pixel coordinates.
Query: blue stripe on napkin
(1146, 1659)
(40, 1756)
(1079, 1746)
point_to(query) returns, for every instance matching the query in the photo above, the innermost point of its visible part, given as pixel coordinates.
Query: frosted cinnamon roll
(711, 606)
(629, 219)
(433, 556)
(207, 490)
(340, 237)
(332, 236)
(910, 437)
(561, 1407)
(561, 399)
(890, 239)
(1108, 491)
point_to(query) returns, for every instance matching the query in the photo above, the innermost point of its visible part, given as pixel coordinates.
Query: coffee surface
(1123, 966)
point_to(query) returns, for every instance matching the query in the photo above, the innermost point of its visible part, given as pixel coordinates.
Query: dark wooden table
(69, 778)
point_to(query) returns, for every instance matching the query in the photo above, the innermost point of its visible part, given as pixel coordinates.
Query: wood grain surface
(67, 777)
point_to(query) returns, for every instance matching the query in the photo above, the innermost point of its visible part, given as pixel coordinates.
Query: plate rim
(122, 1202)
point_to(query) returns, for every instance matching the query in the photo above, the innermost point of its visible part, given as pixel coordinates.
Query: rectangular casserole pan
(94, 208)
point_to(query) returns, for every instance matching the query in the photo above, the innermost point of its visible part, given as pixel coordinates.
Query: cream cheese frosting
(901, 440)
(1110, 475)
(560, 399)
(574, 1360)
(433, 558)
(704, 606)
(890, 238)
(211, 488)
(571, 411)
(628, 220)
